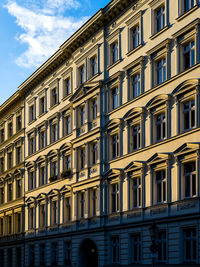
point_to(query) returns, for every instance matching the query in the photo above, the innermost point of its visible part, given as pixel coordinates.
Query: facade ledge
(160, 32)
(182, 16)
(113, 65)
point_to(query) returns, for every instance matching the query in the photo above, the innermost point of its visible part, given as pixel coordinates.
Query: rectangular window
(67, 87)
(42, 217)
(31, 113)
(10, 257)
(10, 191)
(67, 253)
(10, 160)
(81, 74)
(135, 249)
(42, 175)
(10, 129)
(115, 197)
(54, 169)
(189, 175)
(42, 105)
(42, 254)
(160, 18)
(94, 153)
(18, 188)
(115, 249)
(162, 246)
(18, 222)
(188, 55)
(31, 255)
(189, 245)
(67, 210)
(135, 37)
(54, 97)
(2, 135)
(42, 138)
(1, 226)
(115, 98)
(2, 193)
(188, 115)
(54, 211)
(94, 200)
(67, 162)
(187, 5)
(31, 180)
(93, 66)
(67, 126)
(9, 220)
(18, 155)
(161, 186)
(18, 257)
(82, 158)
(136, 137)
(135, 83)
(82, 204)
(82, 115)
(136, 192)
(160, 122)
(31, 218)
(94, 109)
(2, 164)
(54, 132)
(115, 146)
(19, 122)
(113, 52)
(160, 71)
(31, 145)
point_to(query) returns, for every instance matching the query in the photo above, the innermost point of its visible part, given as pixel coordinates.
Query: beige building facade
(109, 143)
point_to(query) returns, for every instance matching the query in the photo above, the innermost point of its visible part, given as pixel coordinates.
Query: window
(82, 204)
(1, 226)
(31, 255)
(160, 18)
(42, 105)
(2, 257)
(136, 137)
(115, 197)
(93, 202)
(54, 253)
(19, 123)
(113, 52)
(10, 190)
(94, 153)
(42, 175)
(135, 85)
(187, 5)
(2, 135)
(135, 37)
(54, 210)
(54, 96)
(18, 221)
(94, 109)
(160, 186)
(115, 146)
(67, 162)
(82, 115)
(188, 55)
(67, 253)
(31, 218)
(42, 254)
(10, 257)
(2, 164)
(42, 218)
(10, 129)
(9, 224)
(18, 257)
(162, 246)
(189, 176)
(67, 87)
(115, 98)
(18, 186)
(135, 248)
(31, 179)
(115, 249)
(42, 138)
(67, 125)
(31, 144)
(10, 160)
(81, 71)
(160, 125)
(160, 71)
(82, 158)
(54, 133)
(189, 245)
(31, 113)
(136, 192)
(18, 154)
(2, 193)
(67, 209)
(93, 66)
(54, 169)
(188, 114)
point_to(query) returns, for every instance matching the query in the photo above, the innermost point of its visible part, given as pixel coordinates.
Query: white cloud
(44, 28)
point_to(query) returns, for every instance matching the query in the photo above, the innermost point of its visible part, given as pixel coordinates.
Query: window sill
(160, 32)
(182, 16)
(31, 122)
(66, 97)
(114, 64)
(134, 50)
(55, 105)
(42, 114)
(93, 77)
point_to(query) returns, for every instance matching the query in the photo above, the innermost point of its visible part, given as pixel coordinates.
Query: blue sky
(32, 30)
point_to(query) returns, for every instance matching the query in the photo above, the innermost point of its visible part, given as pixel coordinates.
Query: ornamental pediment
(158, 157)
(187, 148)
(134, 165)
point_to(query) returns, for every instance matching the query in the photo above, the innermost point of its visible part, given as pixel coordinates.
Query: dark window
(162, 246)
(54, 96)
(93, 63)
(115, 197)
(115, 98)
(19, 123)
(114, 52)
(187, 5)
(136, 137)
(135, 248)
(67, 88)
(160, 18)
(160, 122)
(42, 254)
(135, 37)
(161, 71)
(42, 105)
(67, 253)
(160, 186)
(115, 146)
(189, 245)
(136, 85)
(190, 179)
(31, 255)
(136, 192)
(188, 55)
(115, 249)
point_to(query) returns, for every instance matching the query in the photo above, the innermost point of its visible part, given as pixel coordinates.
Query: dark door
(88, 256)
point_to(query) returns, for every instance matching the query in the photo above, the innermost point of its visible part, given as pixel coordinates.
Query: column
(151, 185)
(151, 71)
(168, 181)
(177, 116)
(168, 118)
(75, 194)
(98, 201)
(98, 104)
(87, 198)
(179, 185)
(197, 107)
(198, 172)
(143, 187)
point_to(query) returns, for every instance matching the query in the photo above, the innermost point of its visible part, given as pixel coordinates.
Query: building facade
(109, 143)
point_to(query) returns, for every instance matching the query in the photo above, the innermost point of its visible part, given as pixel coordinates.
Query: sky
(32, 30)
